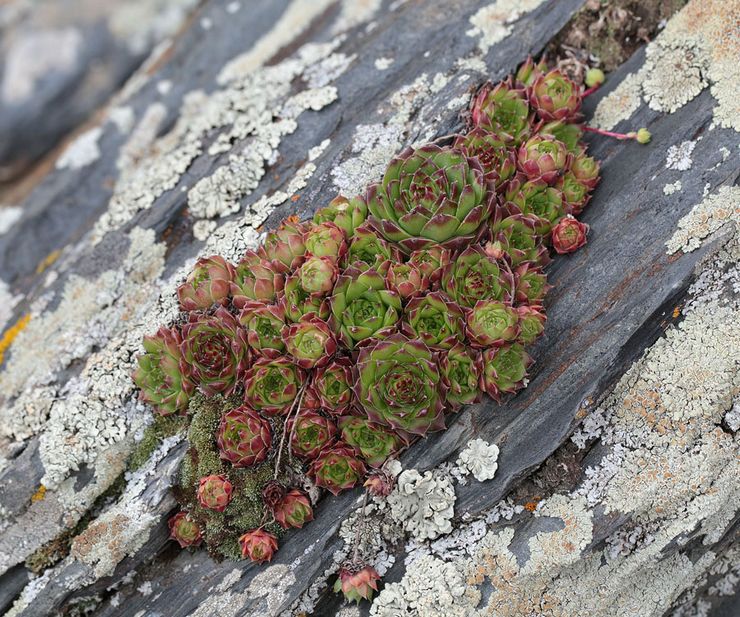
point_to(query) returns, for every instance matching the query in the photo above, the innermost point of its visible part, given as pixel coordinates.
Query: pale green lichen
(494, 22)
(707, 217)
(697, 48)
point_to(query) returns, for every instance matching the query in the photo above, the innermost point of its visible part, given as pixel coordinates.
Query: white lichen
(479, 458)
(673, 187)
(697, 48)
(494, 22)
(679, 157)
(714, 212)
(83, 151)
(423, 504)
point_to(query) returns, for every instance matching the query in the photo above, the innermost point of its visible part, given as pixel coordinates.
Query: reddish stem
(590, 90)
(620, 136)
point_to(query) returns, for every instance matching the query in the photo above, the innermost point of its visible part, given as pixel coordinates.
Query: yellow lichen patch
(39, 494)
(48, 260)
(7, 340)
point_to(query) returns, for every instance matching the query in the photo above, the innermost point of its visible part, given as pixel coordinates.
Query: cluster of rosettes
(353, 335)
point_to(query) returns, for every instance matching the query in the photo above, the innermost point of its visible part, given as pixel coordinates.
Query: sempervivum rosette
(399, 385)
(569, 134)
(264, 327)
(309, 342)
(284, 247)
(310, 433)
(162, 374)
(429, 196)
(215, 492)
(255, 280)
(243, 437)
(209, 283)
(461, 369)
(531, 284)
(347, 214)
(368, 251)
(431, 261)
(535, 197)
(332, 386)
(406, 279)
(586, 170)
(325, 240)
(555, 97)
(491, 323)
(518, 237)
(259, 545)
(362, 307)
(435, 319)
(306, 291)
(357, 582)
(373, 442)
(569, 235)
(504, 370)
(337, 469)
(475, 275)
(543, 158)
(215, 348)
(575, 194)
(271, 385)
(531, 323)
(498, 161)
(184, 530)
(529, 71)
(503, 111)
(293, 510)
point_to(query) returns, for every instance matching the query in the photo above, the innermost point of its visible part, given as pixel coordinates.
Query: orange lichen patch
(48, 260)
(39, 494)
(531, 506)
(293, 218)
(7, 340)
(676, 312)
(295, 198)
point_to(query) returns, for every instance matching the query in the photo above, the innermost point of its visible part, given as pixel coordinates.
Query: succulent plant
(431, 262)
(214, 492)
(575, 194)
(271, 385)
(474, 275)
(435, 319)
(531, 323)
(428, 196)
(362, 307)
(373, 442)
(504, 370)
(337, 469)
(273, 493)
(162, 374)
(492, 323)
(497, 159)
(284, 248)
(569, 235)
(332, 385)
(317, 275)
(518, 237)
(368, 251)
(255, 280)
(399, 385)
(347, 214)
(460, 369)
(543, 158)
(215, 348)
(310, 433)
(531, 284)
(208, 283)
(568, 134)
(259, 545)
(406, 279)
(503, 111)
(310, 342)
(243, 437)
(357, 582)
(529, 71)
(299, 302)
(264, 326)
(535, 197)
(586, 170)
(325, 240)
(293, 510)
(380, 483)
(184, 530)
(556, 97)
